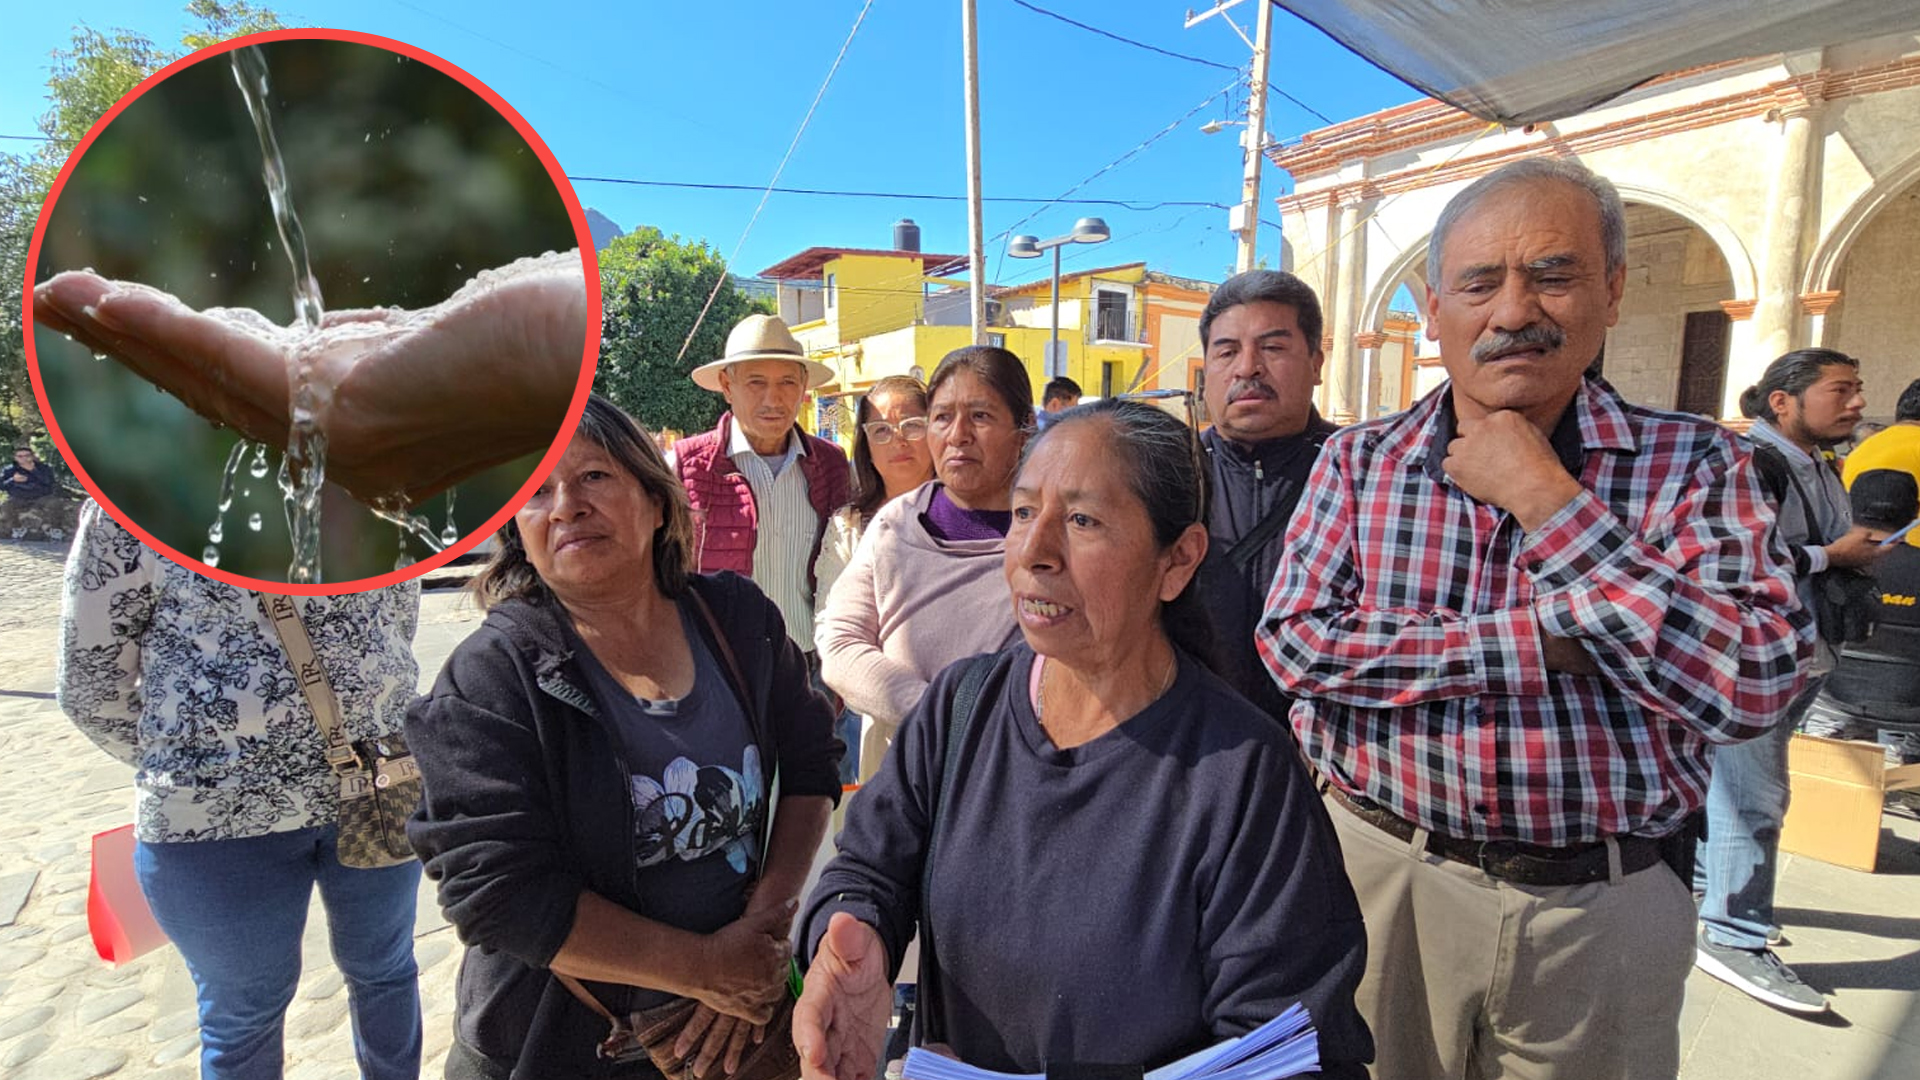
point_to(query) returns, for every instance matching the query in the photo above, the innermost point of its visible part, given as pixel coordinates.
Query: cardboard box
(1839, 789)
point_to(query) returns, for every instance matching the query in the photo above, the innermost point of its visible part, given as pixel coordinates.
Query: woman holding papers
(1108, 854)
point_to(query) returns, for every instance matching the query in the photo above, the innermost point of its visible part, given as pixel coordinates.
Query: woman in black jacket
(599, 759)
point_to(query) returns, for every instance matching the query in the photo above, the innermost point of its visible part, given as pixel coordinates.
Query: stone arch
(1746, 280)
(1823, 270)
(1380, 295)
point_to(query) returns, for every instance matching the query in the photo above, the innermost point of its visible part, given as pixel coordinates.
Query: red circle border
(590, 268)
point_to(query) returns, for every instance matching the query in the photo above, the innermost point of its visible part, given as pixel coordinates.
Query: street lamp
(1088, 230)
(1244, 219)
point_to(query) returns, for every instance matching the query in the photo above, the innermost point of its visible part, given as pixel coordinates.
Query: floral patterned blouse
(183, 677)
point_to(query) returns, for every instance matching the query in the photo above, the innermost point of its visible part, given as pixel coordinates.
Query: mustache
(1531, 336)
(1249, 387)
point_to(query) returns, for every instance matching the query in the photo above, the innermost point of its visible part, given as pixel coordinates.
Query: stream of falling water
(304, 467)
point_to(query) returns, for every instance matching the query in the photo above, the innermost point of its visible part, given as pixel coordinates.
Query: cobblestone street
(66, 1015)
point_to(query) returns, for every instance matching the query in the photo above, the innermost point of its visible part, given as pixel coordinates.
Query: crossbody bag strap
(577, 989)
(762, 731)
(311, 674)
(739, 678)
(966, 701)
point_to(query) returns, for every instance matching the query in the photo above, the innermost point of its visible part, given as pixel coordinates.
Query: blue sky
(713, 93)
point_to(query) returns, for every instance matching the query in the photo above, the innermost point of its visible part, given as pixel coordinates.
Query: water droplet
(253, 521)
(99, 356)
(244, 492)
(449, 535)
(366, 279)
(142, 198)
(259, 467)
(210, 556)
(405, 560)
(214, 274)
(215, 532)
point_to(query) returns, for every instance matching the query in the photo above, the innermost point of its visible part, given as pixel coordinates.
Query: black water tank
(906, 235)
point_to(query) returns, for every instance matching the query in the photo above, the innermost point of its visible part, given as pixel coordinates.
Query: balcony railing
(1115, 326)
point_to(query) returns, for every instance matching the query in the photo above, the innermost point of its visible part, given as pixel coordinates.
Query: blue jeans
(1746, 804)
(237, 908)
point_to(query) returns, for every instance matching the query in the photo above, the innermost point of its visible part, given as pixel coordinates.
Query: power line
(1272, 89)
(1116, 163)
(1138, 205)
(1038, 10)
(778, 169)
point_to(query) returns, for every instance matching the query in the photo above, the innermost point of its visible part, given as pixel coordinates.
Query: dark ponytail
(1793, 372)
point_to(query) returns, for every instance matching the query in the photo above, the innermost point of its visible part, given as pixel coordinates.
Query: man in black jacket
(1261, 332)
(28, 477)
(1879, 678)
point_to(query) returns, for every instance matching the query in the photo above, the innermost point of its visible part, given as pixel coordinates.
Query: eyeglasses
(880, 433)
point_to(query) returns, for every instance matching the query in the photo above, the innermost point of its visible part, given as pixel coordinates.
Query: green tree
(88, 77)
(653, 287)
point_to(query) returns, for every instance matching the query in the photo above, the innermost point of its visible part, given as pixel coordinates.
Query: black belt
(1511, 860)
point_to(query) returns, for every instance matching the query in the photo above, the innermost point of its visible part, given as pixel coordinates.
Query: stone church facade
(1773, 204)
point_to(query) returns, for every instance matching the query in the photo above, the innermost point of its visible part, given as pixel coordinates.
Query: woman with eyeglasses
(1108, 854)
(890, 459)
(922, 589)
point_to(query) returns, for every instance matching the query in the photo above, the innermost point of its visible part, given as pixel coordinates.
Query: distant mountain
(603, 229)
(754, 288)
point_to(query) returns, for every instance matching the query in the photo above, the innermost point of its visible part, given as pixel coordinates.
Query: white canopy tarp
(1524, 61)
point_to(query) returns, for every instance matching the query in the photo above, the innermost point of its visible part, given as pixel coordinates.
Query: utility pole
(1244, 219)
(976, 228)
(1254, 139)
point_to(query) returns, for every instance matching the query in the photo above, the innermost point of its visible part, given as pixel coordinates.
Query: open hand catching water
(412, 402)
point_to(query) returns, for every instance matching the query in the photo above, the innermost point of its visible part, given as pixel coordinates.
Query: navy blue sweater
(1167, 885)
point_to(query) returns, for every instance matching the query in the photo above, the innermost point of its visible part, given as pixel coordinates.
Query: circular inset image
(359, 282)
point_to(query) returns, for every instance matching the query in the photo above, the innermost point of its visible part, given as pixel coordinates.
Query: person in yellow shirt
(1894, 447)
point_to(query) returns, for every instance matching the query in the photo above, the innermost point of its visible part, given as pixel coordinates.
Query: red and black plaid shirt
(1406, 616)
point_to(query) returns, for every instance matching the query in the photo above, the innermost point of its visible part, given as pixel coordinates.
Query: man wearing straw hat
(762, 489)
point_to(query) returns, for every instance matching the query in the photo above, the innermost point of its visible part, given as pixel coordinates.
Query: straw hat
(761, 337)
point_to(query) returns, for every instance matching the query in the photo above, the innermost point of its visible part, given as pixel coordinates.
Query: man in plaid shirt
(1514, 619)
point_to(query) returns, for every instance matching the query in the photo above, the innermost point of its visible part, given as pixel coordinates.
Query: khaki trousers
(1469, 976)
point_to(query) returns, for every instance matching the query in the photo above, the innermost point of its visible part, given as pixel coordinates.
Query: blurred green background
(407, 184)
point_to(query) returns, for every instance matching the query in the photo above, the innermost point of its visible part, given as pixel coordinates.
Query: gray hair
(1162, 461)
(1613, 214)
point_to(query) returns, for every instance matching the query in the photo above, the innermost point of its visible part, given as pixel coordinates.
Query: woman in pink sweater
(924, 587)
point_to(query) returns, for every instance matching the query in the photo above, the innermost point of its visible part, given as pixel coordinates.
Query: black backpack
(1846, 602)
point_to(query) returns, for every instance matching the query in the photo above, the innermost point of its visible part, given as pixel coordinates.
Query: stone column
(1367, 344)
(1344, 396)
(1328, 289)
(1791, 211)
(1816, 305)
(1739, 376)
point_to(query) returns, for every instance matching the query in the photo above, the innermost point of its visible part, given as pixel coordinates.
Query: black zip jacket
(528, 802)
(1250, 484)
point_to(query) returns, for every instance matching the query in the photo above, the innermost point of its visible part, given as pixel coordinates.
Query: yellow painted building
(870, 313)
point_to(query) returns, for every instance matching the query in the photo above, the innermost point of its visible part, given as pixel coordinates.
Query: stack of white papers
(1284, 1046)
